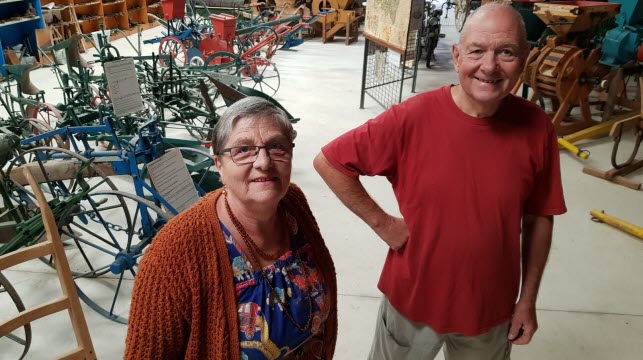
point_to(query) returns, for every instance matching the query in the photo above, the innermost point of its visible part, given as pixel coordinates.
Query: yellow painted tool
(617, 223)
(583, 154)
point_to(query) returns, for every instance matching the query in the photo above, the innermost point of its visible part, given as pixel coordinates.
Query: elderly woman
(244, 273)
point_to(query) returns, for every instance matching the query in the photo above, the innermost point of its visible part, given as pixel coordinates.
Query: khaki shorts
(396, 338)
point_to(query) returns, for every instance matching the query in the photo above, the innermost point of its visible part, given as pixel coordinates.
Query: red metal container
(173, 9)
(225, 26)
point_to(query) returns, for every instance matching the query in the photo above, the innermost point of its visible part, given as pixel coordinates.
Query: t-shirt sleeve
(547, 197)
(370, 149)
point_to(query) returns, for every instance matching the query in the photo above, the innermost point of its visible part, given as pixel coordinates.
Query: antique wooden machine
(342, 18)
(566, 68)
(621, 53)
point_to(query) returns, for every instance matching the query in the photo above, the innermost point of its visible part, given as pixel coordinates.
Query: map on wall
(388, 20)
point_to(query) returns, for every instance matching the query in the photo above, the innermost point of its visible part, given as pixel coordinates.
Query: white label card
(394, 58)
(172, 180)
(123, 86)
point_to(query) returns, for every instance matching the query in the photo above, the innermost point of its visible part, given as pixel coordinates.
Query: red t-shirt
(462, 185)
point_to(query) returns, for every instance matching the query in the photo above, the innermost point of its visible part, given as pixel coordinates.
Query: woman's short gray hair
(250, 107)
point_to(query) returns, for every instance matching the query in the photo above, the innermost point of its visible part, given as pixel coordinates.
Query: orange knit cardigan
(184, 304)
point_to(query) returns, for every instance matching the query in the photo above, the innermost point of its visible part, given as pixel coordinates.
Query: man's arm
(536, 241)
(352, 194)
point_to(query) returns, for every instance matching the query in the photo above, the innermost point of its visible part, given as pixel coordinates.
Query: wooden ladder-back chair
(69, 300)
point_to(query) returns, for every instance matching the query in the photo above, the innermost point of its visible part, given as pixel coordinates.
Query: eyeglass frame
(265, 147)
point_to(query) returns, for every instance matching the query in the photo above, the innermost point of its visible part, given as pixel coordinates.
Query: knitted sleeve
(158, 324)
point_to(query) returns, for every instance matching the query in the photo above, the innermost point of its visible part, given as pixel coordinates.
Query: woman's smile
(264, 179)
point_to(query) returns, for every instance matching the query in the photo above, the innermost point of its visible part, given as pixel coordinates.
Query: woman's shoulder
(188, 228)
(295, 192)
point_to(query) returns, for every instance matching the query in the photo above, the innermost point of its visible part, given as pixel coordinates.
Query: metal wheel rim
(261, 74)
(175, 48)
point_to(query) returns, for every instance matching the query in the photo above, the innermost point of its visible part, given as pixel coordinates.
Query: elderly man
(472, 167)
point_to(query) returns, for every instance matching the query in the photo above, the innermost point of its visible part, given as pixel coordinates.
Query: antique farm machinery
(108, 226)
(342, 18)
(107, 208)
(566, 69)
(584, 53)
(247, 50)
(590, 48)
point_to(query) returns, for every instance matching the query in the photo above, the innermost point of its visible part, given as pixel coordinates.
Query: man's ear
(455, 53)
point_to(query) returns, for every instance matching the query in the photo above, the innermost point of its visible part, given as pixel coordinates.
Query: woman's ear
(219, 166)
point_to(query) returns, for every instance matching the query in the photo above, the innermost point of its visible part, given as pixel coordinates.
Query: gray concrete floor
(591, 295)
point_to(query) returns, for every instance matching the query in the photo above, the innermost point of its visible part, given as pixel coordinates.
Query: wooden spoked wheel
(175, 48)
(557, 73)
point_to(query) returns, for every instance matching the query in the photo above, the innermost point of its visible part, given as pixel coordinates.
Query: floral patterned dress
(265, 331)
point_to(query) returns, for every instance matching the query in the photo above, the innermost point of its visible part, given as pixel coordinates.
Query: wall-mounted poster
(391, 20)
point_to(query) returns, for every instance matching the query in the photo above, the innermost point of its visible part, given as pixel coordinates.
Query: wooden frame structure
(617, 174)
(69, 300)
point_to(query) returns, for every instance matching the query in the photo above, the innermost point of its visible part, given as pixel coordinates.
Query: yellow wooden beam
(618, 223)
(583, 154)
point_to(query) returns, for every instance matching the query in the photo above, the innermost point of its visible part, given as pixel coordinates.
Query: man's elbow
(320, 163)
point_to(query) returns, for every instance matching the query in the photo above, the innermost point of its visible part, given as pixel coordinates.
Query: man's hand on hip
(393, 231)
(523, 324)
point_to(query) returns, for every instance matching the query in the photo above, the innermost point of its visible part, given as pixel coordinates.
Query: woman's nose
(264, 160)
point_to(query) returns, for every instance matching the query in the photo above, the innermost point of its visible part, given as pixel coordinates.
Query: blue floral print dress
(265, 331)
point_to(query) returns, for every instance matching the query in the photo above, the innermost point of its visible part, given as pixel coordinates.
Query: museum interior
(108, 133)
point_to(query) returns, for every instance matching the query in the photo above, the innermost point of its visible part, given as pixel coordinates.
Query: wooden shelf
(9, 1)
(92, 10)
(14, 31)
(110, 4)
(85, 4)
(104, 11)
(13, 22)
(90, 25)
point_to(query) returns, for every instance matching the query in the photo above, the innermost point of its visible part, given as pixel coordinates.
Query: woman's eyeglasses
(248, 153)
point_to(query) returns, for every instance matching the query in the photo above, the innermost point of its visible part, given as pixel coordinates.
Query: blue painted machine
(622, 44)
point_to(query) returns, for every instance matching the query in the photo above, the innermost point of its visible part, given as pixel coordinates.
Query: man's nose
(489, 62)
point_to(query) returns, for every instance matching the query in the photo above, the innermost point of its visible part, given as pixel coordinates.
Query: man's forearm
(536, 242)
(351, 193)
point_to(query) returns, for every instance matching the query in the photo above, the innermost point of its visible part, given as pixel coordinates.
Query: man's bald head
(490, 11)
